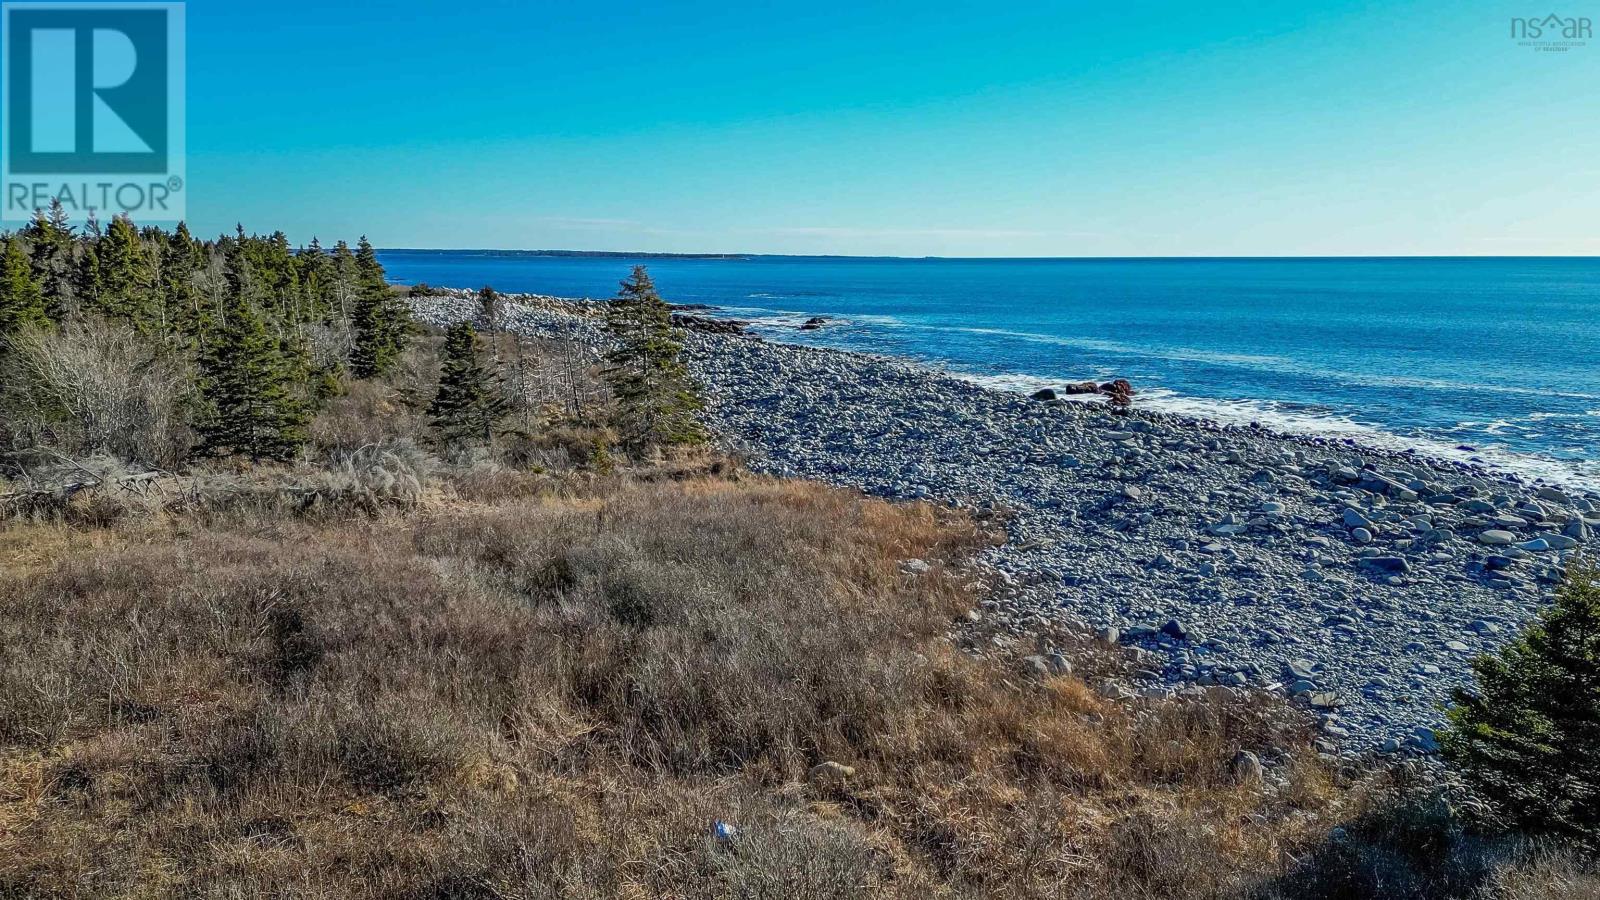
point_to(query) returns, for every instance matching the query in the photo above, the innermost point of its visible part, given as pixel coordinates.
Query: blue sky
(929, 128)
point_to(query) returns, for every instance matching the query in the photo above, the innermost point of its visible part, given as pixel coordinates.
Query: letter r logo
(87, 88)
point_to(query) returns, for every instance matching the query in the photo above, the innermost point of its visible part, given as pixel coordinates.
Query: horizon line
(735, 255)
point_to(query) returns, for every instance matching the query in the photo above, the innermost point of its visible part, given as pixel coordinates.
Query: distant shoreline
(579, 254)
(736, 256)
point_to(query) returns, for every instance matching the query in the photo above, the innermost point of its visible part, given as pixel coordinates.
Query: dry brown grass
(537, 671)
(556, 694)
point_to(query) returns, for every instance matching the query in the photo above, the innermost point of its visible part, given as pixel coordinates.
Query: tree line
(269, 329)
(264, 335)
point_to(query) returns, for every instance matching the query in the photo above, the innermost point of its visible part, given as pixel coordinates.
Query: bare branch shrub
(330, 343)
(549, 380)
(95, 388)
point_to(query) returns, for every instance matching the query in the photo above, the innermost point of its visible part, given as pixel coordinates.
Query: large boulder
(1554, 495)
(1036, 667)
(1246, 768)
(1119, 391)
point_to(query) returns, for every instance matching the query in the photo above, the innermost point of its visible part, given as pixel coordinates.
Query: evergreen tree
(182, 310)
(491, 307)
(240, 275)
(127, 276)
(277, 267)
(369, 272)
(50, 245)
(381, 319)
(22, 304)
(656, 399)
(469, 403)
(312, 263)
(342, 279)
(87, 282)
(1529, 737)
(251, 406)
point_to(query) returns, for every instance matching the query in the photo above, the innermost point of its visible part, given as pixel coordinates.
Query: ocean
(1493, 359)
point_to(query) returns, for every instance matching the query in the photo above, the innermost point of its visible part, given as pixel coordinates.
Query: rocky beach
(1359, 581)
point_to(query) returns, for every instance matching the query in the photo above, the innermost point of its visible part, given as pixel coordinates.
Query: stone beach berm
(1360, 581)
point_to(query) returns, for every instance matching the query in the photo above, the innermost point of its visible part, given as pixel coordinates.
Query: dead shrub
(96, 492)
(368, 413)
(94, 387)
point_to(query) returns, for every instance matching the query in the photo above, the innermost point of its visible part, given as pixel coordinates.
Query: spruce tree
(1529, 737)
(656, 399)
(283, 279)
(491, 307)
(184, 314)
(369, 272)
(87, 282)
(22, 304)
(469, 403)
(127, 276)
(248, 386)
(381, 319)
(312, 263)
(50, 245)
(342, 279)
(240, 275)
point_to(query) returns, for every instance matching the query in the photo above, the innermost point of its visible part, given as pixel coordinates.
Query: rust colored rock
(1119, 391)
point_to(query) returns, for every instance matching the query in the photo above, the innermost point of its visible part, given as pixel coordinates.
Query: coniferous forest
(244, 337)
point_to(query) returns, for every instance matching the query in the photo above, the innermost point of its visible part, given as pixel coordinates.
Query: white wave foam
(1181, 354)
(1272, 415)
(765, 317)
(1277, 415)
(1277, 364)
(1327, 424)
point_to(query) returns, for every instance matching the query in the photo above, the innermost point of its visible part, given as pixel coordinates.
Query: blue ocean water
(1495, 358)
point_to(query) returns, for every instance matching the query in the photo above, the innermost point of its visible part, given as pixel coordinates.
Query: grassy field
(534, 673)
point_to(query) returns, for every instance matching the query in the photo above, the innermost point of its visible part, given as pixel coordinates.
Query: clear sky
(927, 128)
